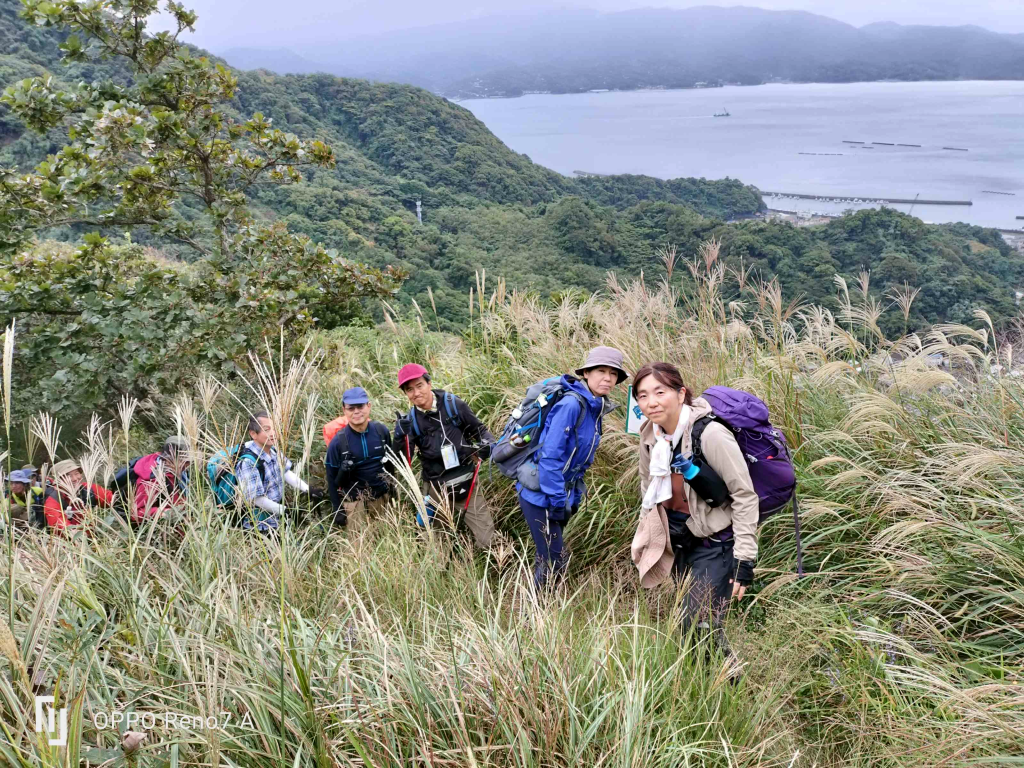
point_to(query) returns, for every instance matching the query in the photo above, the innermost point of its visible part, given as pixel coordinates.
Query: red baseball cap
(409, 372)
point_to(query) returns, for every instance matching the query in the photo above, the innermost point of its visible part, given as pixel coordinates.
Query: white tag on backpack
(449, 456)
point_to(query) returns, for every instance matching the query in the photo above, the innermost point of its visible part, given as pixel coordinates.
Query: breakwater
(866, 199)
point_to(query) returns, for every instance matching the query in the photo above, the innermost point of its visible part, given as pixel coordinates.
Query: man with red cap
(452, 442)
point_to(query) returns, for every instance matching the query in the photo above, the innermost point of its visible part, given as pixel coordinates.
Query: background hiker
(568, 442)
(356, 479)
(452, 441)
(264, 491)
(26, 499)
(679, 531)
(67, 496)
(161, 486)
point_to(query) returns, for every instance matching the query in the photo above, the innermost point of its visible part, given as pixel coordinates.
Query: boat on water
(723, 113)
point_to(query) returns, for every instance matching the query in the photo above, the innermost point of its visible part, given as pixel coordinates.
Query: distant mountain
(571, 51)
(279, 60)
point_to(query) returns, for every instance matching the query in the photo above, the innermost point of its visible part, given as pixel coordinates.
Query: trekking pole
(799, 548)
(472, 487)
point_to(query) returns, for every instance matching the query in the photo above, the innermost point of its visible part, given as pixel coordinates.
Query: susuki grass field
(902, 646)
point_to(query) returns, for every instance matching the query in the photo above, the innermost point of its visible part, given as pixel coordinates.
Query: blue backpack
(521, 437)
(449, 407)
(220, 470)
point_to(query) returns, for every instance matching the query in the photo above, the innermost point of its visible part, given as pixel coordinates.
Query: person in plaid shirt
(261, 479)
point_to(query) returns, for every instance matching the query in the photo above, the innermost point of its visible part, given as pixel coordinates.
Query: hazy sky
(286, 23)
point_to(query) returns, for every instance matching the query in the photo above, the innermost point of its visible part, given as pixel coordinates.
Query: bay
(790, 138)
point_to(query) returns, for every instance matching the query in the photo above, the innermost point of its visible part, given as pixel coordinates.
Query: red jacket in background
(156, 490)
(62, 512)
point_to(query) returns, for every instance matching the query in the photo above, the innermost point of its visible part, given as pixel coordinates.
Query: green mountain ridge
(575, 50)
(488, 208)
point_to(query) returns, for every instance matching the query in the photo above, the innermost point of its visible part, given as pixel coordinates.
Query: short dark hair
(425, 377)
(667, 374)
(254, 421)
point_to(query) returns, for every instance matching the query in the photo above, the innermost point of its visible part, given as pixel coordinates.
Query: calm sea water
(673, 133)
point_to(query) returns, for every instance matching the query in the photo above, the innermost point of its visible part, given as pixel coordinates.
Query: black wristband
(744, 572)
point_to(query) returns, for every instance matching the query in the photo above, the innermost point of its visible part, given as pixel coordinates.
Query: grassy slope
(902, 647)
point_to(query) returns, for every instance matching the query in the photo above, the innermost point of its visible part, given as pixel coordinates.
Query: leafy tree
(160, 152)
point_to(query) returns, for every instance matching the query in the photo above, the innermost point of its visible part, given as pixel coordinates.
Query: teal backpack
(220, 470)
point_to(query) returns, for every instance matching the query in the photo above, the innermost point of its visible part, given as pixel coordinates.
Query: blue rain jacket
(561, 485)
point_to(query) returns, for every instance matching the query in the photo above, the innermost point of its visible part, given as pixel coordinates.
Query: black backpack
(121, 486)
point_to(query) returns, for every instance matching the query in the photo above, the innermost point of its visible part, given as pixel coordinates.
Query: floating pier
(822, 154)
(993, 192)
(869, 199)
(852, 142)
(909, 145)
(884, 143)
(956, 149)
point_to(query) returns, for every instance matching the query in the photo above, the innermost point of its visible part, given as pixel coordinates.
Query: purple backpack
(763, 446)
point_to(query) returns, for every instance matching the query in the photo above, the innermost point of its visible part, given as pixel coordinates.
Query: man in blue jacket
(568, 441)
(356, 479)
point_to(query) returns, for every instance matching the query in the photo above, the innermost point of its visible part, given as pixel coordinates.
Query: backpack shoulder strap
(698, 429)
(259, 461)
(344, 436)
(584, 407)
(414, 422)
(452, 409)
(382, 432)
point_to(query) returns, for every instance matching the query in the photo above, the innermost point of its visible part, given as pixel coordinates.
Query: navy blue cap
(355, 396)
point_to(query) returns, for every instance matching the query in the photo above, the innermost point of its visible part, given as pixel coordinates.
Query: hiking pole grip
(799, 547)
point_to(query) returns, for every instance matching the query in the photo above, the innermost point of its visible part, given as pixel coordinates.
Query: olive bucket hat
(604, 356)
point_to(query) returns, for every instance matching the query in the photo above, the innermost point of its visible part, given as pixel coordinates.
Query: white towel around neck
(659, 488)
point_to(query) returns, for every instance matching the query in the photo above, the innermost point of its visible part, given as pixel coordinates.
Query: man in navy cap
(356, 478)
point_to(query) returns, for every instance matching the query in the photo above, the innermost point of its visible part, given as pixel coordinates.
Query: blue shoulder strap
(452, 409)
(449, 407)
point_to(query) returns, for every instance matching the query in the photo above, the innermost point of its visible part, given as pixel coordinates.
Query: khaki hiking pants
(477, 515)
(359, 511)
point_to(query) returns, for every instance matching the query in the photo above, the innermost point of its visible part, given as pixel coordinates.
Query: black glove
(315, 494)
(483, 450)
(558, 514)
(744, 572)
(403, 426)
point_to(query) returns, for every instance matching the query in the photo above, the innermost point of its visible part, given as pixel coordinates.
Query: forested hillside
(488, 208)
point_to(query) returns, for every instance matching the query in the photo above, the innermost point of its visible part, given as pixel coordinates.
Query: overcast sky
(286, 23)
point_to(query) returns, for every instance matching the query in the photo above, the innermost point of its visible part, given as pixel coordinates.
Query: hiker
(67, 496)
(162, 481)
(568, 441)
(26, 499)
(452, 442)
(33, 471)
(262, 473)
(356, 480)
(685, 535)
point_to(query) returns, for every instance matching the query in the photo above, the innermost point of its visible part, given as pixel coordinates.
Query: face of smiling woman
(659, 402)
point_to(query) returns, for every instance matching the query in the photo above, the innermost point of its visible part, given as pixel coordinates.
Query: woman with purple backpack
(700, 510)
